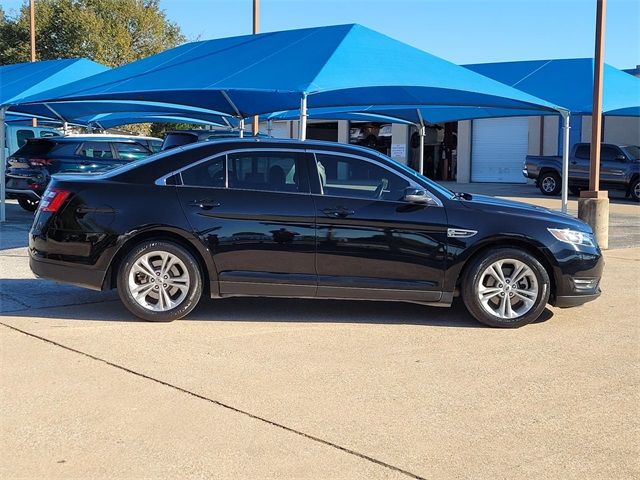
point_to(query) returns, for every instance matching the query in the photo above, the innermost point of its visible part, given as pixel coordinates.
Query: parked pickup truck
(619, 169)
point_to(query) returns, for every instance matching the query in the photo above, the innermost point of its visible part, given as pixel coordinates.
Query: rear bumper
(79, 275)
(16, 193)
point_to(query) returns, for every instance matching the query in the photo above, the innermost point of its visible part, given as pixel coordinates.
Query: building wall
(621, 130)
(400, 136)
(463, 166)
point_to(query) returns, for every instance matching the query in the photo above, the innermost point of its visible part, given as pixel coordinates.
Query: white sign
(398, 150)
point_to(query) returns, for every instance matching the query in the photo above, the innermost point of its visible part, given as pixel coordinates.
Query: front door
(370, 242)
(254, 211)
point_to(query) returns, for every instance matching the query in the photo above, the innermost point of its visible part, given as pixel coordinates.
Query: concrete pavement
(274, 388)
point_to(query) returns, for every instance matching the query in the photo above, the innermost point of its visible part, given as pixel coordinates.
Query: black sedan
(305, 219)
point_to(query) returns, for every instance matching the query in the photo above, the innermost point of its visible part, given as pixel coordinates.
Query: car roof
(95, 138)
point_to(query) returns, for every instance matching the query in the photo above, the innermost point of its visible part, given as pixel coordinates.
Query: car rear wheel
(635, 190)
(28, 204)
(549, 183)
(159, 281)
(506, 287)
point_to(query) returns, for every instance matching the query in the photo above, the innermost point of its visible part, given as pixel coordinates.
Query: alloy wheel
(158, 281)
(548, 184)
(507, 288)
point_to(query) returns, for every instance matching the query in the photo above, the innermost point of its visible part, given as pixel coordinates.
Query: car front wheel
(159, 281)
(506, 287)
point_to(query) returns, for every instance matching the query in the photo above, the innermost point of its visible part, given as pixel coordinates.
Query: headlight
(573, 237)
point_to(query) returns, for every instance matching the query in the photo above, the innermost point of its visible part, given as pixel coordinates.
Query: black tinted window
(40, 147)
(207, 174)
(270, 171)
(173, 140)
(582, 151)
(23, 135)
(131, 151)
(356, 177)
(99, 150)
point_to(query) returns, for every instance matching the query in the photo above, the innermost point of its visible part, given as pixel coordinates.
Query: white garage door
(498, 149)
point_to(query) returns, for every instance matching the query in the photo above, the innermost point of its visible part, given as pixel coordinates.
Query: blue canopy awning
(568, 82)
(255, 74)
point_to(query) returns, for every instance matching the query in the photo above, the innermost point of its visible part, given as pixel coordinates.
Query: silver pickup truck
(619, 169)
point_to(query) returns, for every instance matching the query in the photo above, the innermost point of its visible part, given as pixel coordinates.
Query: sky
(462, 31)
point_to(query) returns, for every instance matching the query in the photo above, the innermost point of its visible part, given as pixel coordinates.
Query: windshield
(633, 151)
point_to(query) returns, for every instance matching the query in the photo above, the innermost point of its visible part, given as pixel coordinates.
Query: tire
(549, 183)
(575, 190)
(533, 288)
(28, 204)
(634, 191)
(182, 277)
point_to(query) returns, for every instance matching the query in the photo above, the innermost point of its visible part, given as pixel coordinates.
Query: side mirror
(621, 158)
(416, 195)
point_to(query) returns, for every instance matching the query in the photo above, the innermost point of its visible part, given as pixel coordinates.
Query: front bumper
(568, 301)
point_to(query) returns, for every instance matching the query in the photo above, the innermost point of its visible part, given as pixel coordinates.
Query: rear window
(35, 147)
(173, 140)
(96, 150)
(23, 135)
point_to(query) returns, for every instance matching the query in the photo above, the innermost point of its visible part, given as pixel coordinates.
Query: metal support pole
(566, 126)
(255, 122)
(241, 127)
(32, 35)
(269, 126)
(421, 134)
(3, 164)
(302, 128)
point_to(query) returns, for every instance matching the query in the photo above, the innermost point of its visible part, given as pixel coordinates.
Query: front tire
(28, 204)
(505, 287)
(634, 191)
(159, 281)
(549, 183)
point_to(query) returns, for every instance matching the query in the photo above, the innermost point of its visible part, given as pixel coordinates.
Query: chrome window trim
(434, 201)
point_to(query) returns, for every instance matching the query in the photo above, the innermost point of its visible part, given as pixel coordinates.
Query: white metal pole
(421, 135)
(3, 164)
(566, 116)
(241, 127)
(302, 128)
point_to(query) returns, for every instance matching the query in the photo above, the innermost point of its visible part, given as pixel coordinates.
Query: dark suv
(31, 166)
(305, 219)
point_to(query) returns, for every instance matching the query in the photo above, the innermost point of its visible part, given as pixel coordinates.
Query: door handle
(205, 204)
(338, 212)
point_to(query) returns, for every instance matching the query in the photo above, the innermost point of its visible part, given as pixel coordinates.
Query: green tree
(111, 32)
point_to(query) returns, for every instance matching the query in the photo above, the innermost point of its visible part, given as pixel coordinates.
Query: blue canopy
(332, 66)
(568, 82)
(109, 120)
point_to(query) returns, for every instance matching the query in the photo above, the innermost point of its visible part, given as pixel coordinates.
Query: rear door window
(206, 174)
(23, 135)
(582, 151)
(267, 171)
(97, 150)
(131, 151)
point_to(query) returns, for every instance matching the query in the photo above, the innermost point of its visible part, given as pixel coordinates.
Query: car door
(579, 165)
(253, 210)
(370, 242)
(612, 166)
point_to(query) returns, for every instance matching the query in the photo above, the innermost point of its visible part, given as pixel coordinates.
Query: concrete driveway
(266, 388)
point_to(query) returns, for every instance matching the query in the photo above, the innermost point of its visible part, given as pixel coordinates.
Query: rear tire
(159, 281)
(549, 183)
(634, 191)
(575, 190)
(505, 287)
(28, 204)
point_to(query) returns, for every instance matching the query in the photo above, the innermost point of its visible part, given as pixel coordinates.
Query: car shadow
(79, 304)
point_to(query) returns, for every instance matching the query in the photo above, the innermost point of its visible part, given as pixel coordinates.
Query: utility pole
(255, 124)
(593, 205)
(32, 27)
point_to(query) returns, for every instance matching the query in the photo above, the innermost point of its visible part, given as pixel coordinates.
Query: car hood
(509, 207)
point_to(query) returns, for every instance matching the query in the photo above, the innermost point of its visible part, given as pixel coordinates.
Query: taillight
(39, 162)
(53, 199)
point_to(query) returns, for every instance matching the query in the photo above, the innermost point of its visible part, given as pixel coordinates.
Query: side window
(582, 151)
(206, 174)
(609, 153)
(131, 151)
(23, 135)
(356, 177)
(270, 171)
(99, 150)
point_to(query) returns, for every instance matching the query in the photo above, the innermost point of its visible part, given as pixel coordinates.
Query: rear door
(370, 242)
(613, 165)
(253, 210)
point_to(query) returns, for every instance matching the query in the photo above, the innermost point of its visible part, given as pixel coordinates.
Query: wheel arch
(529, 246)
(176, 235)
